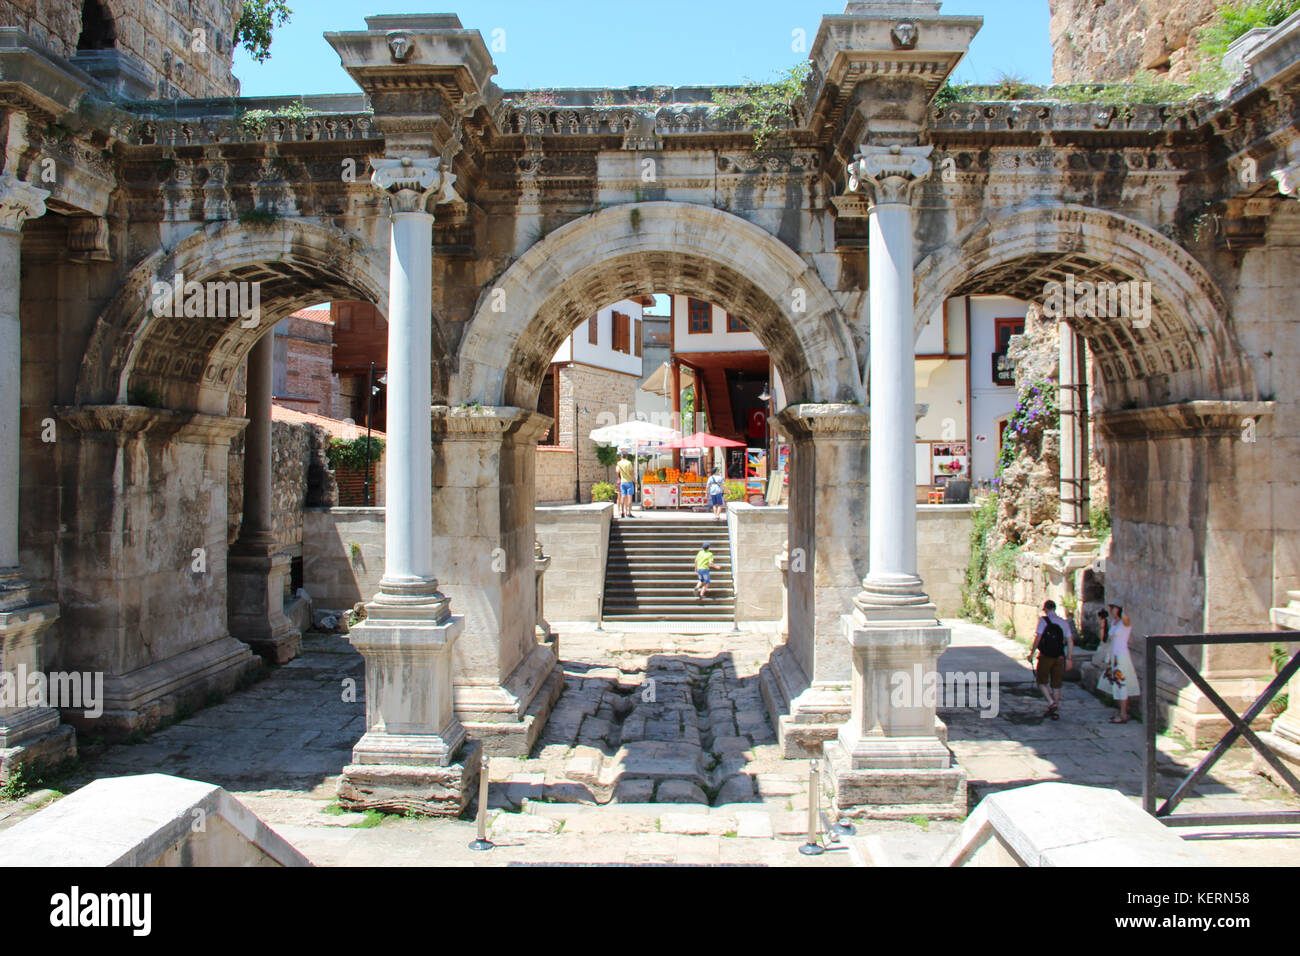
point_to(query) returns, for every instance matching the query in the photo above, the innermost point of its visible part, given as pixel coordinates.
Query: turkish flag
(758, 423)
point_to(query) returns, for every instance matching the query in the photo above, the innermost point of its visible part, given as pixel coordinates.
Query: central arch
(641, 248)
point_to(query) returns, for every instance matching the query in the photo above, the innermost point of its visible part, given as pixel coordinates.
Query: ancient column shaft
(889, 175)
(19, 202)
(408, 537)
(256, 529)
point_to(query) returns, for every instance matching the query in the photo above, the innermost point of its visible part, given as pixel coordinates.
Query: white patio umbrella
(637, 434)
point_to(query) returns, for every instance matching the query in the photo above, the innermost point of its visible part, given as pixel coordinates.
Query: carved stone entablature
(889, 174)
(411, 182)
(19, 201)
(1195, 419)
(1008, 116)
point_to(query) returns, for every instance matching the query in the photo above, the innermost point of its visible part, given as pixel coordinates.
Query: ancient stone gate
(487, 225)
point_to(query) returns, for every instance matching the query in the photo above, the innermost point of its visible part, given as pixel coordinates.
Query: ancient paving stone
(679, 791)
(737, 789)
(634, 791)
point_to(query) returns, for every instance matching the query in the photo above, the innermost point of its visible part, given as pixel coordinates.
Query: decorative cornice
(889, 174)
(116, 421)
(480, 422)
(1194, 419)
(19, 201)
(831, 420)
(410, 182)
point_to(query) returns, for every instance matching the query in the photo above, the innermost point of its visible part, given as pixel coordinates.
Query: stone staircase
(651, 571)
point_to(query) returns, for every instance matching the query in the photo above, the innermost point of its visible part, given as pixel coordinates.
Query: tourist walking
(1118, 678)
(1051, 639)
(626, 486)
(703, 567)
(717, 493)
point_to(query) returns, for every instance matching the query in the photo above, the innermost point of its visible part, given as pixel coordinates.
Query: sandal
(1118, 720)
(1056, 714)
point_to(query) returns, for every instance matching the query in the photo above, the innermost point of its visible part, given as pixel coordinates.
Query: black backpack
(1052, 642)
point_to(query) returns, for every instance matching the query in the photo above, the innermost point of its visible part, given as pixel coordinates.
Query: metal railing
(1239, 727)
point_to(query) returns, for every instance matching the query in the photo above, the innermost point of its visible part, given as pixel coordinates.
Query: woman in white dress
(1118, 678)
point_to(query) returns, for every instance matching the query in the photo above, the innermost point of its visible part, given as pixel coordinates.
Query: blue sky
(616, 43)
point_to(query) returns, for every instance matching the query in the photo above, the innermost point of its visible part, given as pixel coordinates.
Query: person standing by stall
(716, 491)
(626, 486)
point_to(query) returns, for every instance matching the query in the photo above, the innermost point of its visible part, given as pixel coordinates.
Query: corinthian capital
(889, 174)
(410, 182)
(19, 201)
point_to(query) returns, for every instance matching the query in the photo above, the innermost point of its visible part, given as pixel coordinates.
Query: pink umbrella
(703, 440)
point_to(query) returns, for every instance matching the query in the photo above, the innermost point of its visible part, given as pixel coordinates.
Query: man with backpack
(716, 491)
(1050, 643)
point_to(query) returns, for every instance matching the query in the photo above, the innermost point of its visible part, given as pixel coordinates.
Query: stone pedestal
(542, 561)
(256, 605)
(484, 526)
(889, 760)
(806, 684)
(1284, 738)
(411, 757)
(30, 733)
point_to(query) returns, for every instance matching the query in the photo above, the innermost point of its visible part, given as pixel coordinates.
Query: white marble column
(30, 731)
(406, 759)
(256, 568)
(889, 756)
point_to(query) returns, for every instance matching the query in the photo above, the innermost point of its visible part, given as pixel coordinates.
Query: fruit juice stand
(671, 488)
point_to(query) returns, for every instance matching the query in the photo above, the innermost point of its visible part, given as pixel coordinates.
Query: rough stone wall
(757, 534)
(555, 475)
(585, 392)
(343, 555)
(291, 455)
(1099, 41)
(943, 553)
(157, 33)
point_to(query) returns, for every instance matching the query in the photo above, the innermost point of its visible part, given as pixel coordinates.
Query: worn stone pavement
(659, 751)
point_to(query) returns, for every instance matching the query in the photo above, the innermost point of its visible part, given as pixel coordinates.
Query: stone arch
(1189, 350)
(98, 27)
(649, 247)
(189, 363)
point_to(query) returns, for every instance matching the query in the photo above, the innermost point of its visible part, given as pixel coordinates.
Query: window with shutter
(699, 317)
(636, 337)
(593, 330)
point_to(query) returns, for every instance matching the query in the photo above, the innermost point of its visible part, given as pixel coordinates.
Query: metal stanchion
(812, 847)
(600, 612)
(482, 843)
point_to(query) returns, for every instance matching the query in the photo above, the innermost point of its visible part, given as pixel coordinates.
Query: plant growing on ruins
(976, 599)
(1099, 521)
(256, 21)
(258, 217)
(354, 454)
(1036, 411)
(735, 491)
(769, 108)
(602, 491)
(1235, 20)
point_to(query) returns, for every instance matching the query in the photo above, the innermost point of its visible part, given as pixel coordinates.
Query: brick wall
(585, 392)
(157, 33)
(555, 475)
(309, 365)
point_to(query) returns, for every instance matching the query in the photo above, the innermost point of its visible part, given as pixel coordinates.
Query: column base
(255, 584)
(139, 701)
(893, 794)
(1188, 712)
(30, 733)
(46, 751)
(508, 718)
(428, 790)
(805, 714)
